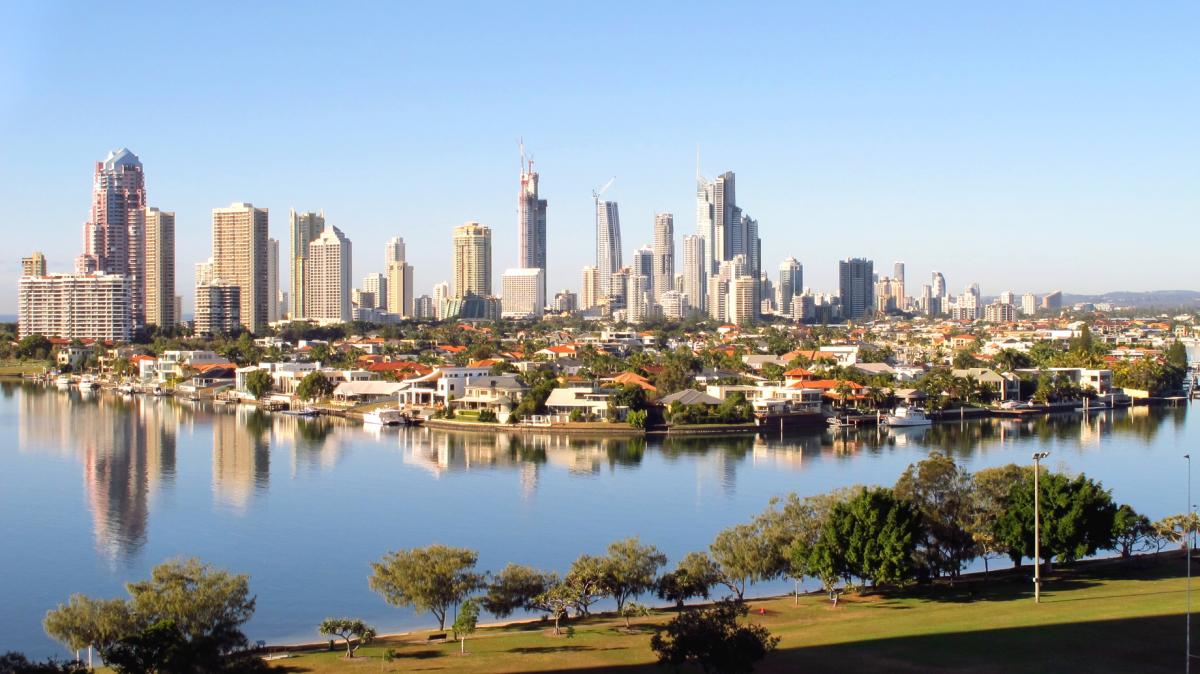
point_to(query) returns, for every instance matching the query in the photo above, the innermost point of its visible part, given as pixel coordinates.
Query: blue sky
(1020, 145)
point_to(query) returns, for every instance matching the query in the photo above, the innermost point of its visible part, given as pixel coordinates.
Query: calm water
(96, 490)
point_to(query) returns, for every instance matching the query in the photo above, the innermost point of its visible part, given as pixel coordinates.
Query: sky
(1026, 146)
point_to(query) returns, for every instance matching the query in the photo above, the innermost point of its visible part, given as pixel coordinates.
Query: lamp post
(1037, 527)
(1187, 639)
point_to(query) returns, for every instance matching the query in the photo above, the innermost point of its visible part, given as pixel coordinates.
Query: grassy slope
(1102, 619)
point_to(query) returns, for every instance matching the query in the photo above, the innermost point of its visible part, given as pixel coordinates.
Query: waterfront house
(498, 394)
(589, 399)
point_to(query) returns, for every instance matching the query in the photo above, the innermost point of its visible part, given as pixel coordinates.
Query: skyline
(927, 138)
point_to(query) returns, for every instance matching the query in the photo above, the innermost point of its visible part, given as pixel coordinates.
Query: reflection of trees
(627, 453)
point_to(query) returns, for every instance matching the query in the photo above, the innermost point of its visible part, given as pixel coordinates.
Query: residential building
(240, 258)
(34, 265)
(441, 293)
(695, 271)
(114, 237)
(898, 277)
(1052, 301)
(304, 229)
(718, 288)
(741, 305)
(531, 222)
(377, 284)
(856, 279)
(75, 306)
(589, 289)
(328, 273)
(1000, 312)
(643, 265)
(608, 246)
(1029, 305)
(565, 301)
(204, 271)
(423, 308)
(664, 255)
(160, 268)
(399, 289)
(393, 250)
(674, 305)
(939, 286)
(637, 298)
(472, 257)
(273, 280)
(218, 308)
(523, 294)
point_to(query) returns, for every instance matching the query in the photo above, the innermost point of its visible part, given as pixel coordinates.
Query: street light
(1187, 640)
(1037, 532)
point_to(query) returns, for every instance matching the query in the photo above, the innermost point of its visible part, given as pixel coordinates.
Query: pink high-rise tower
(114, 239)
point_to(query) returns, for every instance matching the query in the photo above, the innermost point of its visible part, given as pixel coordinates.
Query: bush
(487, 416)
(636, 418)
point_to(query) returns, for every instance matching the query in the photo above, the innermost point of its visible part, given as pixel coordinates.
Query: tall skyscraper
(204, 271)
(160, 268)
(857, 285)
(1028, 304)
(740, 304)
(75, 306)
(393, 250)
(399, 289)
(218, 308)
(273, 280)
(114, 238)
(637, 293)
(240, 258)
(717, 216)
(608, 245)
(695, 272)
(327, 277)
(303, 228)
(472, 260)
(441, 293)
(664, 254)
(531, 222)
(34, 265)
(589, 288)
(898, 276)
(939, 285)
(377, 284)
(643, 265)
(791, 283)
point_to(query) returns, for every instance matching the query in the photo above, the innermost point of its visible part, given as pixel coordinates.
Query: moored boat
(907, 416)
(385, 417)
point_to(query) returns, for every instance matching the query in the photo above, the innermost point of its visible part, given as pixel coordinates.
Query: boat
(907, 416)
(839, 422)
(125, 389)
(158, 391)
(62, 381)
(306, 412)
(385, 417)
(86, 382)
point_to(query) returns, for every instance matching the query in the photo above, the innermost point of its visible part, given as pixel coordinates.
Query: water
(96, 490)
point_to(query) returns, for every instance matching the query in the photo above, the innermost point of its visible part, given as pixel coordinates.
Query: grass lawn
(16, 368)
(1101, 618)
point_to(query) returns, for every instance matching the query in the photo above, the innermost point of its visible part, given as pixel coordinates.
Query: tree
(630, 568)
(515, 588)
(1176, 355)
(259, 383)
(744, 553)
(426, 579)
(992, 487)
(1177, 528)
(693, 577)
(348, 629)
(187, 617)
(13, 662)
(33, 347)
(1130, 531)
(585, 582)
(941, 491)
(557, 600)
(465, 622)
(1076, 518)
(633, 610)
(713, 639)
(314, 385)
(872, 536)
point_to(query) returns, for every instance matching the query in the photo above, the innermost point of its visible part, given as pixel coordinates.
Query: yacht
(62, 381)
(907, 416)
(385, 417)
(86, 382)
(126, 389)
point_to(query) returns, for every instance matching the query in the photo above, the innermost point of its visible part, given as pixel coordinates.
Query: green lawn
(1102, 618)
(17, 368)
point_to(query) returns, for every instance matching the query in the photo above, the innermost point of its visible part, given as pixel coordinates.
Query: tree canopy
(426, 579)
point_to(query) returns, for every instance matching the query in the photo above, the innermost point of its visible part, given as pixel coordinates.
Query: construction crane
(597, 194)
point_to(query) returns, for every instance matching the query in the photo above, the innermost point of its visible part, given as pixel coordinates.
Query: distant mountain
(1152, 298)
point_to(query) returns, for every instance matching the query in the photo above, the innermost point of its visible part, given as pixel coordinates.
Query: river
(96, 489)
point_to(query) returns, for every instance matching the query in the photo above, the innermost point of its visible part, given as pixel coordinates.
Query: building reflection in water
(241, 455)
(127, 447)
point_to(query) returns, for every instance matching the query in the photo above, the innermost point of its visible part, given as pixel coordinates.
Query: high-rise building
(204, 271)
(939, 285)
(34, 265)
(273, 280)
(695, 271)
(664, 254)
(565, 301)
(1008, 297)
(441, 293)
(643, 265)
(399, 289)
(240, 258)
(393, 250)
(856, 285)
(523, 293)
(377, 284)
(1052, 301)
(1000, 312)
(898, 276)
(531, 222)
(608, 246)
(304, 228)
(327, 277)
(423, 308)
(218, 308)
(674, 305)
(740, 306)
(791, 283)
(160, 268)
(718, 219)
(75, 306)
(1029, 304)
(718, 288)
(589, 288)
(114, 238)
(618, 288)
(472, 260)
